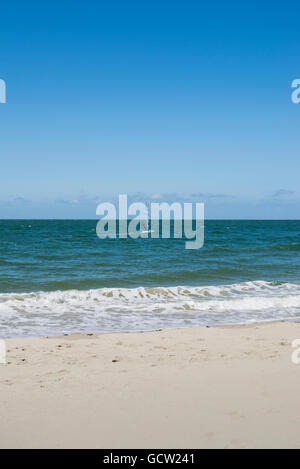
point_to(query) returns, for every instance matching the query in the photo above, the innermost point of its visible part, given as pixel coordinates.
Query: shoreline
(144, 331)
(225, 386)
(147, 308)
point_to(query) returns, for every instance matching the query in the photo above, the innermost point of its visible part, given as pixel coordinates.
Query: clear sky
(166, 98)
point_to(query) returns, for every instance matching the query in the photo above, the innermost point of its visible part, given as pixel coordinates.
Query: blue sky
(181, 99)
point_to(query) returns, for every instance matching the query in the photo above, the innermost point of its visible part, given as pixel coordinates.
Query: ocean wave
(116, 309)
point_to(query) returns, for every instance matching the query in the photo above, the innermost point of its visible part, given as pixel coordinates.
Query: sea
(57, 277)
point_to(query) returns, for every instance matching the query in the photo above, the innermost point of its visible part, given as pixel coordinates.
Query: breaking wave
(117, 309)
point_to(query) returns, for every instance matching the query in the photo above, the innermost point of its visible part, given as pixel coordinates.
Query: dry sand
(224, 387)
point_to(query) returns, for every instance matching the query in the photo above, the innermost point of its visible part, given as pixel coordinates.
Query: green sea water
(58, 277)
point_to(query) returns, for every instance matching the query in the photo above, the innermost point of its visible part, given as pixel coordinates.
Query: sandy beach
(203, 387)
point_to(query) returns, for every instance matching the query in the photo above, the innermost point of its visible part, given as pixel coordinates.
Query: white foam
(108, 309)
